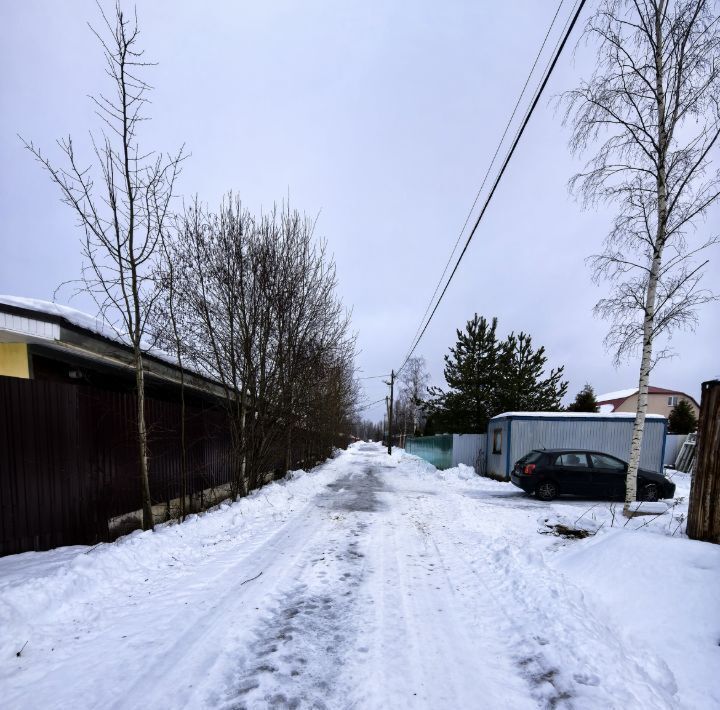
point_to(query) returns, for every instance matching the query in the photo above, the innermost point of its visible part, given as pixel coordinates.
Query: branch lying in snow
(586, 512)
(251, 579)
(19, 653)
(566, 531)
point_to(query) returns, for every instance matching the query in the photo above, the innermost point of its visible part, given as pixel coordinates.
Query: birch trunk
(645, 366)
(651, 293)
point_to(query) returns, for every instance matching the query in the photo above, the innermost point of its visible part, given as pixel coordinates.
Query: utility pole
(391, 404)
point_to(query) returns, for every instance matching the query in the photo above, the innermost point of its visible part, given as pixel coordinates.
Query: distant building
(660, 401)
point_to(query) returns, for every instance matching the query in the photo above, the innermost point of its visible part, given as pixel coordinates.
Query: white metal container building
(511, 435)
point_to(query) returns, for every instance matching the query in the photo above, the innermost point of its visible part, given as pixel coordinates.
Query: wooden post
(704, 507)
(390, 411)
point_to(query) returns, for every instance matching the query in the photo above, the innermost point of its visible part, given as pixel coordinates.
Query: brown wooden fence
(69, 462)
(68, 459)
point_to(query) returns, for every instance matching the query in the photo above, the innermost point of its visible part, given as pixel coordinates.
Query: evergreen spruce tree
(682, 419)
(521, 384)
(471, 375)
(486, 377)
(584, 400)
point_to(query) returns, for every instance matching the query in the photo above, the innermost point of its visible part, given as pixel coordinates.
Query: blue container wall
(496, 446)
(470, 450)
(612, 436)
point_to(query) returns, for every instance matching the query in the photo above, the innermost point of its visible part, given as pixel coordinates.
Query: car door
(573, 473)
(608, 476)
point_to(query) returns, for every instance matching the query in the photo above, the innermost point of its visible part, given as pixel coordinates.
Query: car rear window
(532, 457)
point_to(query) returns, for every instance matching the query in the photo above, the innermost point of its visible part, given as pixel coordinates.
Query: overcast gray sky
(380, 116)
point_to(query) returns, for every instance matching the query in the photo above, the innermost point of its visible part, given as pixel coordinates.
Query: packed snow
(372, 581)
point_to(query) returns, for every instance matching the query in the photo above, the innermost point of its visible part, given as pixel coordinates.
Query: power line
(372, 404)
(558, 52)
(373, 377)
(487, 172)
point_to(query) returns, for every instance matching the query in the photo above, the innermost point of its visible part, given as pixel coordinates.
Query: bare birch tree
(414, 381)
(123, 204)
(650, 113)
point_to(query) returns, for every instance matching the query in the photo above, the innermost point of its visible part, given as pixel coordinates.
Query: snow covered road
(370, 582)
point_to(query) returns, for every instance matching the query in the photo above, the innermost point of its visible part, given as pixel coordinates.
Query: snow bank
(39, 589)
(657, 589)
(661, 592)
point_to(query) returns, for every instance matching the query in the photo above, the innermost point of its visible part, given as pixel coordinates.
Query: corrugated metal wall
(437, 450)
(611, 436)
(673, 444)
(470, 450)
(69, 460)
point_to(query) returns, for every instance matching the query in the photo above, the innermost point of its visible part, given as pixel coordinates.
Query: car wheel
(547, 490)
(649, 492)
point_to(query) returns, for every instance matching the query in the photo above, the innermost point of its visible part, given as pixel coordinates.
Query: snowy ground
(370, 582)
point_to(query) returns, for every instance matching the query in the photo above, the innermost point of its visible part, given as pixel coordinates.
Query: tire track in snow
(230, 603)
(427, 653)
(557, 649)
(295, 655)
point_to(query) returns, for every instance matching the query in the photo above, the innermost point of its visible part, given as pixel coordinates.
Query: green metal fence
(437, 450)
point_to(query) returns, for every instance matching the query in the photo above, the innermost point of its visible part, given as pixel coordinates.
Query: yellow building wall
(14, 360)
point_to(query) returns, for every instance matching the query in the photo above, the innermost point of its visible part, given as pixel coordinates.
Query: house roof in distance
(615, 399)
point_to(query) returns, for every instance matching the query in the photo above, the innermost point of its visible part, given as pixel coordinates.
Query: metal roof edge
(67, 324)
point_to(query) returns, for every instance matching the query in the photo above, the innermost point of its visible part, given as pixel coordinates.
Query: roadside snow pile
(456, 476)
(40, 589)
(660, 592)
(655, 588)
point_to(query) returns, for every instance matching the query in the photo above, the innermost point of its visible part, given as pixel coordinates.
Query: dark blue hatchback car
(549, 473)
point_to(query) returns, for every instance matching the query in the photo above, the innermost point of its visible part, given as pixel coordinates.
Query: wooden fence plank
(704, 509)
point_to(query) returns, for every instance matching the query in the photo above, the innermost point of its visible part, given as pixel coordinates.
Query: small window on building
(672, 401)
(497, 441)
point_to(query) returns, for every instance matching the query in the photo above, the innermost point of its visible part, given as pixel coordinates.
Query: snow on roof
(81, 320)
(584, 415)
(71, 315)
(619, 394)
